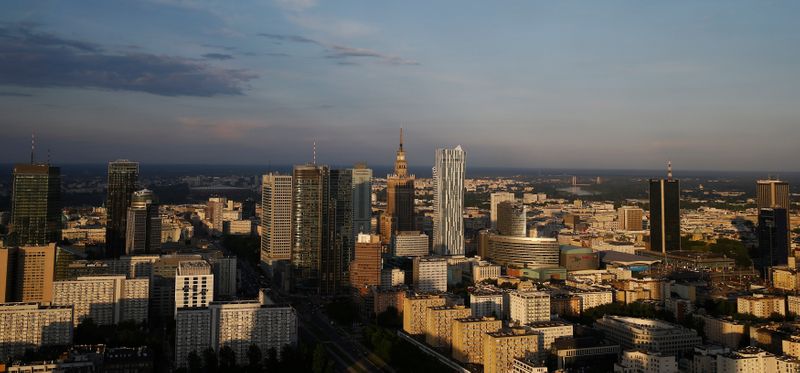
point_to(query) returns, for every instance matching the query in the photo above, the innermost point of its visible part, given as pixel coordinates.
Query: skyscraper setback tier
(665, 214)
(35, 204)
(448, 201)
(122, 178)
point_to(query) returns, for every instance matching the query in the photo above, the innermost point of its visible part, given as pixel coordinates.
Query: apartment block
(107, 300)
(439, 324)
(468, 335)
(430, 274)
(527, 307)
(31, 325)
(502, 347)
(760, 305)
(415, 308)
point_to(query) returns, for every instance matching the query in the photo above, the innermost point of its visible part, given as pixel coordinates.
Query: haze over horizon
(582, 85)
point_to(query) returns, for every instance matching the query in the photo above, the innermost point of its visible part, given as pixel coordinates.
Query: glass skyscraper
(122, 178)
(35, 205)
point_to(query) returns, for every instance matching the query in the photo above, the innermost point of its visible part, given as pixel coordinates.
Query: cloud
(343, 28)
(344, 52)
(217, 56)
(295, 5)
(37, 59)
(15, 94)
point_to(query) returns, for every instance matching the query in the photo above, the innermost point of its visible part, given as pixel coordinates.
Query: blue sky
(581, 84)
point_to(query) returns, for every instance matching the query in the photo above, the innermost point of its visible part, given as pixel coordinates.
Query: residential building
(383, 299)
(29, 273)
(467, 337)
(641, 361)
(485, 271)
(550, 331)
(31, 325)
(793, 304)
(630, 218)
(439, 324)
(392, 277)
(448, 201)
(748, 359)
(486, 304)
(760, 305)
(500, 348)
(430, 274)
(529, 306)
(726, 332)
(415, 312)
(194, 284)
(276, 218)
(107, 300)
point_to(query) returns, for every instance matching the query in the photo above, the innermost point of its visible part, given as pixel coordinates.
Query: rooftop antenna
(48, 156)
(669, 170)
(33, 145)
(314, 159)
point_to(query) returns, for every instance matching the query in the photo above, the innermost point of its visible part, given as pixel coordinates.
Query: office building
(143, 231)
(511, 219)
(774, 237)
(194, 284)
(630, 218)
(772, 194)
(439, 324)
(215, 214)
(565, 305)
(467, 337)
(550, 331)
(310, 211)
(579, 258)
(762, 306)
(365, 269)
(235, 324)
(529, 306)
(484, 303)
(362, 200)
(485, 271)
(430, 274)
(35, 205)
(640, 361)
(448, 201)
(665, 213)
(522, 252)
(410, 244)
(494, 200)
(648, 334)
(500, 348)
(748, 359)
(415, 312)
(123, 175)
(107, 300)
(26, 326)
(276, 218)
(400, 215)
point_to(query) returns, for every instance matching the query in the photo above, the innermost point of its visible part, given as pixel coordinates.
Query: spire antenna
(669, 170)
(33, 145)
(314, 159)
(401, 138)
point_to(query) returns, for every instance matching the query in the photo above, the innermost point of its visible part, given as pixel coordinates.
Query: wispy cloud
(342, 52)
(217, 56)
(342, 28)
(295, 5)
(32, 58)
(15, 94)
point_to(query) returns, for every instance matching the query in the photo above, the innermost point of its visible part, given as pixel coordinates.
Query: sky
(709, 85)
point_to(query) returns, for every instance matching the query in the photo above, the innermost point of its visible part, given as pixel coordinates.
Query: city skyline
(260, 81)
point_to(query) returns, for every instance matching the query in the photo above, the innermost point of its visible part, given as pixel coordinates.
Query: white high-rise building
(31, 325)
(276, 218)
(107, 300)
(486, 304)
(236, 324)
(448, 201)
(529, 306)
(194, 284)
(494, 200)
(430, 274)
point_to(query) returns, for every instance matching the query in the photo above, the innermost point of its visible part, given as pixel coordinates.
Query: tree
(227, 358)
(194, 362)
(254, 357)
(210, 362)
(320, 359)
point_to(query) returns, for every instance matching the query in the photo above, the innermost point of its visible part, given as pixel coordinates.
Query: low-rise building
(727, 332)
(550, 331)
(640, 361)
(748, 359)
(648, 334)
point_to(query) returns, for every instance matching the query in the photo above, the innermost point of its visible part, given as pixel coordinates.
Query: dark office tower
(123, 176)
(773, 237)
(310, 195)
(362, 200)
(143, 230)
(399, 214)
(665, 213)
(35, 205)
(336, 255)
